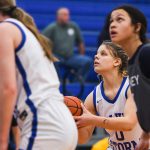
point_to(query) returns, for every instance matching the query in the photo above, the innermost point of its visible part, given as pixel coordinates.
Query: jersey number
(119, 136)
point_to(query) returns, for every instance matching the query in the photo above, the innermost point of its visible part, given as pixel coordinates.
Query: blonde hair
(7, 7)
(118, 52)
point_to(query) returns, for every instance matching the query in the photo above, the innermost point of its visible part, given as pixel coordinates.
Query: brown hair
(7, 7)
(118, 52)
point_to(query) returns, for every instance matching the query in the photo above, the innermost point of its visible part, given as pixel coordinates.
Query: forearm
(7, 101)
(84, 134)
(81, 49)
(16, 135)
(116, 123)
(145, 135)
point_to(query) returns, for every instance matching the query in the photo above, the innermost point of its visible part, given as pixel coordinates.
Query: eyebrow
(118, 15)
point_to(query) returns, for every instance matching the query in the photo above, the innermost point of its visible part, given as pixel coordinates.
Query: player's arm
(85, 133)
(16, 132)
(7, 83)
(144, 59)
(125, 123)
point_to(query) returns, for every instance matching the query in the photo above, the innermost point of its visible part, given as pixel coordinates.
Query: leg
(82, 63)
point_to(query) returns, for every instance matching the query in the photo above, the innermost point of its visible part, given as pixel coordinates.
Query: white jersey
(119, 140)
(36, 76)
(40, 110)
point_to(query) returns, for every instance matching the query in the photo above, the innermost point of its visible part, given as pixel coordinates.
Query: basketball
(74, 105)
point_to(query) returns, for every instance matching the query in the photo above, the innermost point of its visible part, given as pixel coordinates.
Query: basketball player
(112, 101)
(127, 27)
(26, 75)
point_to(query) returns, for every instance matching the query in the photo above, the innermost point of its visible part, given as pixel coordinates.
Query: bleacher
(90, 16)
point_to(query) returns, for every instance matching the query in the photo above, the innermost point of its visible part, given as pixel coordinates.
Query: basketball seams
(74, 104)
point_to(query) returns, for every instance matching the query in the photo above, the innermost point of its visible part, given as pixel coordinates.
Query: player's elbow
(129, 125)
(9, 90)
(83, 140)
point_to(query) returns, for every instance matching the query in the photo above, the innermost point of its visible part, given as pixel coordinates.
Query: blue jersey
(119, 140)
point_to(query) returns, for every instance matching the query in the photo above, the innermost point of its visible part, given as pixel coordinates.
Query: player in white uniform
(112, 101)
(30, 78)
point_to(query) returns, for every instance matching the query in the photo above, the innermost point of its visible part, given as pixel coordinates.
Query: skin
(16, 133)
(112, 80)
(8, 84)
(123, 32)
(63, 15)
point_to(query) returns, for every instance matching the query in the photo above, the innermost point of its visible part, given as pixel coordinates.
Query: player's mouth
(96, 63)
(113, 34)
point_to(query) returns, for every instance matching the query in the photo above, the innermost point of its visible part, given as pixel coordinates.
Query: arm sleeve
(79, 38)
(144, 60)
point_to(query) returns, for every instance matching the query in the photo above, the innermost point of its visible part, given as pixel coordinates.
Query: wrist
(145, 135)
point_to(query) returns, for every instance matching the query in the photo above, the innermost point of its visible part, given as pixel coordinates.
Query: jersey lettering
(134, 80)
(123, 146)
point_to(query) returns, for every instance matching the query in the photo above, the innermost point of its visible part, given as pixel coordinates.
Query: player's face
(104, 60)
(121, 29)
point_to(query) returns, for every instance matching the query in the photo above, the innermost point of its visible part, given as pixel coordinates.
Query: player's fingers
(83, 107)
(76, 118)
(79, 124)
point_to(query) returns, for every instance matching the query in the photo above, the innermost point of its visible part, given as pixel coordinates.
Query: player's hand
(85, 119)
(144, 142)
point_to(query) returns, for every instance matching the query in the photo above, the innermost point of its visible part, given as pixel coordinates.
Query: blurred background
(90, 16)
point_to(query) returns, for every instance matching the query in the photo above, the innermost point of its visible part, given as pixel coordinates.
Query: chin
(97, 70)
(115, 40)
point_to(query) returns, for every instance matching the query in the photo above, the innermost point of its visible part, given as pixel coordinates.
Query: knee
(87, 61)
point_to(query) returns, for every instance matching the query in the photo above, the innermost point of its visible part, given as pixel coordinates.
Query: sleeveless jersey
(140, 87)
(37, 79)
(119, 140)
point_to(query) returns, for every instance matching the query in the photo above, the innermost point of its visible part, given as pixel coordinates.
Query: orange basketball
(74, 105)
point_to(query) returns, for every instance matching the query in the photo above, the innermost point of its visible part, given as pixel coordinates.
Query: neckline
(118, 93)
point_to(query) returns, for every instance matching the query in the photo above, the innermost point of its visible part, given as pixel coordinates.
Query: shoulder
(145, 51)
(144, 59)
(5, 26)
(89, 103)
(73, 24)
(53, 25)
(7, 30)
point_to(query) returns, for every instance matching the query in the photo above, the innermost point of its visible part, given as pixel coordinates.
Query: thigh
(79, 61)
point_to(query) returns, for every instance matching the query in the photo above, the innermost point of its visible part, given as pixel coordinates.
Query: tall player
(112, 101)
(128, 27)
(27, 75)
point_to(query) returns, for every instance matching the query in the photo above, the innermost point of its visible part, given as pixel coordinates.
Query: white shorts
(55, 128)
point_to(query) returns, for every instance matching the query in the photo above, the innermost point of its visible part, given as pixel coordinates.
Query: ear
(137, 27)
(117, 62)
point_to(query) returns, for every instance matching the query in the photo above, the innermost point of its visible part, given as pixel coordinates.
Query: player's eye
(103, 53)
(119, 19)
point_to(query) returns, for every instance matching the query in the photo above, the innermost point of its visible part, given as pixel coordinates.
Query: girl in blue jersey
(28, 82)
(127, 27)
(111, 100)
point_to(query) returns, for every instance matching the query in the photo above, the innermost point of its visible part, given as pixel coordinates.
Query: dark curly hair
(136, 17)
